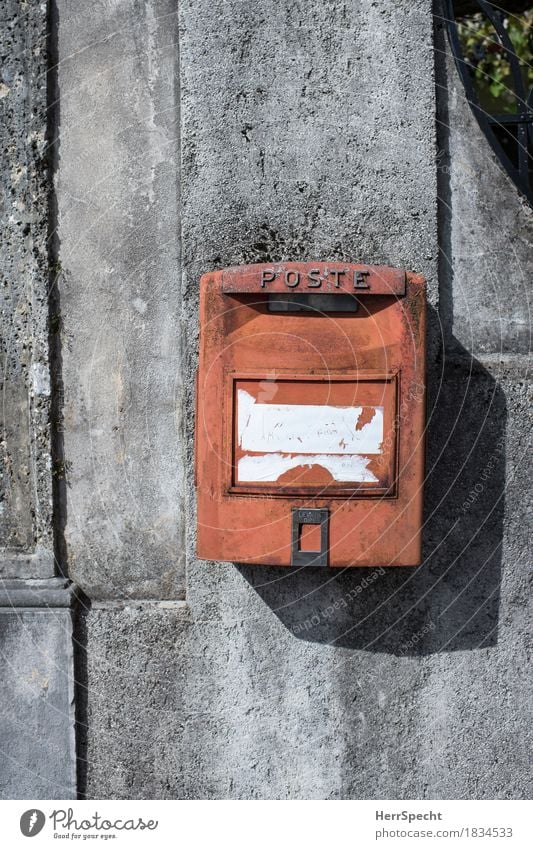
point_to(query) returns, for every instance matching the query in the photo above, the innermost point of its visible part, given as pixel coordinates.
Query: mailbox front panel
(310, 415)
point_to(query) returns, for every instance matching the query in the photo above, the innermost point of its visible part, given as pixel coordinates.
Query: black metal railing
(510, 134)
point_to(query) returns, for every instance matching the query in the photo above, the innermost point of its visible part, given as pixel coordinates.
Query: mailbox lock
(301, 518)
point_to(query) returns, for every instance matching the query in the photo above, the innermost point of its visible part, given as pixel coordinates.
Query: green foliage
(489, 62)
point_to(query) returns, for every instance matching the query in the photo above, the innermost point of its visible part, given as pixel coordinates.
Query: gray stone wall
(37, 739)
(36, 656)
(26, 543)
(195, 135)
(488, 278)
(118, 232)
(311, 132)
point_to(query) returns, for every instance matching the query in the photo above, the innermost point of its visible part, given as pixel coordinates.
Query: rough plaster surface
(37, 705)
(36, 665)
(489, 278)
(307, 131)
(25, 473)
(118, 244)
(357, 684)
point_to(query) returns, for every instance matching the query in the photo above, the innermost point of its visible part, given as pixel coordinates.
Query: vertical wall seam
(54, 300)
(445, 270)
(81, 604)
(184, 348)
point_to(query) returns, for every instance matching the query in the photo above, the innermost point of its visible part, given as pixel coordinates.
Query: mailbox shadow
(451, 601)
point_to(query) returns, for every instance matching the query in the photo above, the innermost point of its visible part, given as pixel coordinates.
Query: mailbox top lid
(326, 278)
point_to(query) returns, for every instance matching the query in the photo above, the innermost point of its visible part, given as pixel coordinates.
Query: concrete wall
(195, 135)
(487, 278)
(25, 475)
(36, 711)
(118, 241)
(37, 751)
(306, 131)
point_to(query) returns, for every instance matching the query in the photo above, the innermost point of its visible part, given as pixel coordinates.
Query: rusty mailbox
(310, 415)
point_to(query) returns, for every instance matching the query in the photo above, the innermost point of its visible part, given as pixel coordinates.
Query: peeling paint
(308, 428)
(303, 435)
(270, 467)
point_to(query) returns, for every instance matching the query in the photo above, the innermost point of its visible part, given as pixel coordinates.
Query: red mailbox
(310, 415)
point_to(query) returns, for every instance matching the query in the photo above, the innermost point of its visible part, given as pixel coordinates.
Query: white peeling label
(292, 435)
(269, 467)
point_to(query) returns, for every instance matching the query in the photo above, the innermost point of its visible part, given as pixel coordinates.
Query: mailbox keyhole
(309, 538)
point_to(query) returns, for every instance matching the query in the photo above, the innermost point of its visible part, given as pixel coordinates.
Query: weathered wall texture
(118, 230)
(307, 131)
(25, 474)
(36, 710)
(365, 685)
(37, 753)
(487, 233)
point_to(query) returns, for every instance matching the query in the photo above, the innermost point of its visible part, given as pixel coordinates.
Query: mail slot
(310, 415)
